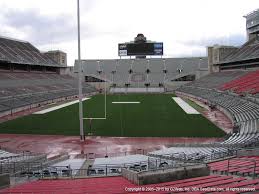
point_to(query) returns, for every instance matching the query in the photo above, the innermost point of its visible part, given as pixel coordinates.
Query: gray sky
(185, 26)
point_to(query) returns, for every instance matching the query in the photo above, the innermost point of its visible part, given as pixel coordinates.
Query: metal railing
(197, 157)
(38, 170)
(92, 155)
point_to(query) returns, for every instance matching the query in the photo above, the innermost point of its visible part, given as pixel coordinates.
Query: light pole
(200, 63)
(82, 136)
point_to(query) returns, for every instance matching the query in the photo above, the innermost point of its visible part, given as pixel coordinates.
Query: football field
(131, 115)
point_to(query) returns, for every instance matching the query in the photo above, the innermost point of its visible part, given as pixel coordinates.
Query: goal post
(105, 105)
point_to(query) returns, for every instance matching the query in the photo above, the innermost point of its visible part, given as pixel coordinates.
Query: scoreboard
(140, 49)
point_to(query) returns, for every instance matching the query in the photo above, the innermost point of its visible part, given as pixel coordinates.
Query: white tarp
(58, 107)
(185, 106)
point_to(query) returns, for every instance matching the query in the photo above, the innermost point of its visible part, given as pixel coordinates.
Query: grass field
(157, 115)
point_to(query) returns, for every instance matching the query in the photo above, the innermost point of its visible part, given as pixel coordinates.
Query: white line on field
(185, 106)
(86, 118)
(125, 102)
(59, 106)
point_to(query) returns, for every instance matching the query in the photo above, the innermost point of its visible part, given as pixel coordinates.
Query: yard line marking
(89, 118)
(59, 106)
(185, 106)
(125, 102)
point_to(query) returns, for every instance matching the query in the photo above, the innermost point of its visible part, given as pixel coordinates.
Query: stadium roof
(54, 51)
(23, 52)
(14, 39)
(252, 13)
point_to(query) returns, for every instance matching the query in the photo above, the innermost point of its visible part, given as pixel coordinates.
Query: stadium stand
(29, 78)
(246, 52)
(214, 80)
(191, 153)
(139, 73)
(245, 84)
(21, 52)
(4, 154)
(16, 162)
(26, 89)
(120, 185)
(241, 166)
(244, 113)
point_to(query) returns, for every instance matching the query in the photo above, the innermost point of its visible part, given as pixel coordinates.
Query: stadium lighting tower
(80, 95)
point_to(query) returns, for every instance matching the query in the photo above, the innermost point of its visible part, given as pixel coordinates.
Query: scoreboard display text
(138, 49)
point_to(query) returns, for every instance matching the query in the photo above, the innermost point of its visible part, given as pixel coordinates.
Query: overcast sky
(185, 26)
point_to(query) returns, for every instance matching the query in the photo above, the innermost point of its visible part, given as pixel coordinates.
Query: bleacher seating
(214, 80)
(244, 112)
(247, 51)
(239, 166)
(114, 185)
(139, 72)
(241, 109)
(12, 163)
(23, 89)
(5, 155)
(21, 52)
(190, 153)
(245, 84)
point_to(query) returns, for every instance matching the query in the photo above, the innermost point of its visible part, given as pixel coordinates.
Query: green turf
(156, 116)
(194, 105)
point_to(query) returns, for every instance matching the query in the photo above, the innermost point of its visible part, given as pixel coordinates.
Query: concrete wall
(217, 54)
(65, 71)
(4, 180)
(165, 175)
(210, 59)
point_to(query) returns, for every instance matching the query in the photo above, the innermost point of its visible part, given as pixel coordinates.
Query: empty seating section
(23, 89)
(8, 158)
(191, 153)
(4, 154)
(140, 72)
(240, 166)
(244, 112)
(248, 83)
(214, 80)
(241, 109)
(111, 185)
(249, 50)
(21, 52)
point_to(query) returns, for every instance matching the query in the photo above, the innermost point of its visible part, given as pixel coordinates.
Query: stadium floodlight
(80, 91)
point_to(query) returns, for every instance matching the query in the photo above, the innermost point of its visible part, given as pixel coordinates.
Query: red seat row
(247, 83)
(113, 185)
